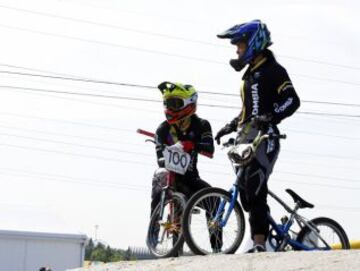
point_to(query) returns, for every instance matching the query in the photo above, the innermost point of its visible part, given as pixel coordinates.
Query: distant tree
(88, 249)
(100, 252)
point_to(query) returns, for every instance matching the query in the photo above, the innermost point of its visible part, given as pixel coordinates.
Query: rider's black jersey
(199, 132)
(266, 88)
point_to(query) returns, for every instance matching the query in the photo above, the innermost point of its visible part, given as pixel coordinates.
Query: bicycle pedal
(195, 211)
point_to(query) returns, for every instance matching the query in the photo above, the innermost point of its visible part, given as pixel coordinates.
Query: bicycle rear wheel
(202, 232)
(332, 235)
(164, 237)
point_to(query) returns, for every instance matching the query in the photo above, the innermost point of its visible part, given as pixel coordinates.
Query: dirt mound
(329, 261)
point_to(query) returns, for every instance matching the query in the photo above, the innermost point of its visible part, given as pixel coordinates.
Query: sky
(70, 162)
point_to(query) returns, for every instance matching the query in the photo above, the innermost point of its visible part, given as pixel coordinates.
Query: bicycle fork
(234, 191)
(167, 222)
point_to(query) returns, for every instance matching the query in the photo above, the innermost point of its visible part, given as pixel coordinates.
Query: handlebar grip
(143, 132)
(282, 136)
(231, 141)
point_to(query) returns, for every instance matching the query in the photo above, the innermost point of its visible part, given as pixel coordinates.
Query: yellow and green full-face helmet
(179, 100)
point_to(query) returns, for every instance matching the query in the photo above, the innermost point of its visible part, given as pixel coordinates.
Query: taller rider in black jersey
(266, 91)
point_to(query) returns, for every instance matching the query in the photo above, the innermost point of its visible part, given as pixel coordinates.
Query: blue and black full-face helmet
(256, 36)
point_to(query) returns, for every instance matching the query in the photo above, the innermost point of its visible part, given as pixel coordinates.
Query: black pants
(253, 188)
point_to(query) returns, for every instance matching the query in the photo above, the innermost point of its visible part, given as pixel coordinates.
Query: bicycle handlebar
(232, 141)
(150, 134)
(143, 132)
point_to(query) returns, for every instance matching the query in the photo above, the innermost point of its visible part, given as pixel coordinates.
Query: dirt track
(329, 261)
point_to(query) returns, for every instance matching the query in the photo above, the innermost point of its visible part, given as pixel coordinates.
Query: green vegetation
(96, 251)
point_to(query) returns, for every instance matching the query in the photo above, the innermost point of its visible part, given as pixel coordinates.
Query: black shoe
(216, 250)
(256, 249)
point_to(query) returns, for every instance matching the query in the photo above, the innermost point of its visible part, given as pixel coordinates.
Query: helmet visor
(174, 104)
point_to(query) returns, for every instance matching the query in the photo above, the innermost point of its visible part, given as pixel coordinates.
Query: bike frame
(234, 191)
(167, 189)
(170, 177)
(282, 230)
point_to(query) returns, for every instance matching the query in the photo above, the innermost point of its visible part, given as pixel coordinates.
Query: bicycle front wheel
(165, 238)
(203, 232)
(330, 235)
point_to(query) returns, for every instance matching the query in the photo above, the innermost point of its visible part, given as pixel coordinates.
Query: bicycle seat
(302, 203)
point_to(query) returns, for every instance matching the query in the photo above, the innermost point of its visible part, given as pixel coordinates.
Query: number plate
(176, 160)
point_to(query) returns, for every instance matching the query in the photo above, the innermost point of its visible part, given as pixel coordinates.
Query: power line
(320, 62)
(153, 111)
(102, 183)
(327, 79)
(112, 44)
(105, 96)
(98, 184)
(140, 163)
(68, 122)
(126, 161)
(72, 99)
(88, 80)
(292, 161)
(164, 35)
(157, 52)
(302, 183)
(121, 186)
(128, 143)
(331, 103)
(318, 176)
(326, 155)
(75, 144)
(338, 208)
(79, 79)
(145, 154)
(158, 101)
(113, 26)
(333, 118)
(321, 134)
(330, 119)
(125, 142)
(35, 70)
(137, 153)
(318, 184)
(327, 114)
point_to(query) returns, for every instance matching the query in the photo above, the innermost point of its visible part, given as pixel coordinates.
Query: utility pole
(96, 232)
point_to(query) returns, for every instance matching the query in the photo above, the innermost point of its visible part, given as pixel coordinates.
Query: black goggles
(174, 104)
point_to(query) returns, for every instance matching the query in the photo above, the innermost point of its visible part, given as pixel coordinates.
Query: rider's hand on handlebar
(262, 120)
(187, 145)
(227, 129)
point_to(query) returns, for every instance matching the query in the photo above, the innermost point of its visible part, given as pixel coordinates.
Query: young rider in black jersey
(192, 133)
(266, 91)
(184, 127)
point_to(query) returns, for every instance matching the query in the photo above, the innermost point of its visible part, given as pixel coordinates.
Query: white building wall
(12, 254)
(23, 251)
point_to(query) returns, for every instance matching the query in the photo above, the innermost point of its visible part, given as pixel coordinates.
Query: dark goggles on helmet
(175, 104)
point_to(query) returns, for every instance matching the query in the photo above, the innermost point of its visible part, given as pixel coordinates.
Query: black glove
(263, 121)
(227, 129)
